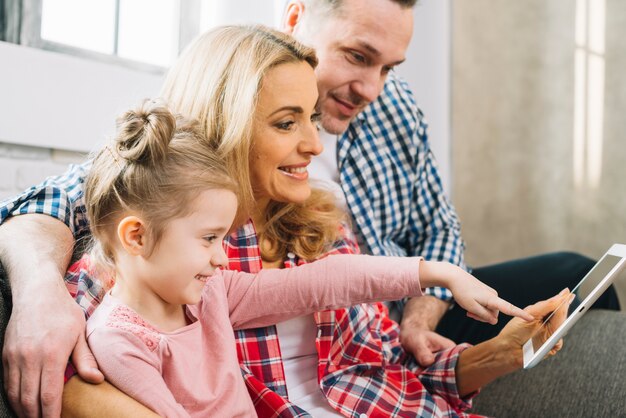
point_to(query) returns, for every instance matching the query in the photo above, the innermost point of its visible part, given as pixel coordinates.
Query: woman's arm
(485, 362)
(81, 399)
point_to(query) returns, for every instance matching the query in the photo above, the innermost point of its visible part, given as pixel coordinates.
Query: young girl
(160, 203)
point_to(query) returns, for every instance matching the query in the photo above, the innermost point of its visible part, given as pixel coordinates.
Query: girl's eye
(285, 126)
(210, 238)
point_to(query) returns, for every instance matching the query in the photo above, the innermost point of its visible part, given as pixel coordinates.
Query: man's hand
(420, 318)
(39, 341)
(46, 325)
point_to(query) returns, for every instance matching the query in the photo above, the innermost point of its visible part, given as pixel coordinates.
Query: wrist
(506, 357)
(423, 313)
(437, 273)
(44, 280)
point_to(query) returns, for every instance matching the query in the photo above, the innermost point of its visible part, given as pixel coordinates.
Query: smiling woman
(284, 135)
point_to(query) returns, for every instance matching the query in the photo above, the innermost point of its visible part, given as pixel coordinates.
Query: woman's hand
(479, 300)
(483, 363)
(515, 334)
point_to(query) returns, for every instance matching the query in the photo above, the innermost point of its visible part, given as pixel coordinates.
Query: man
(387, 173)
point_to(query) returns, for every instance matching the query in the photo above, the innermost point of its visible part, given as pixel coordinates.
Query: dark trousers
(523, 282)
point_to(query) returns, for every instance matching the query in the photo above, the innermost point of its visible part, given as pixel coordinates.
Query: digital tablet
(586, 293)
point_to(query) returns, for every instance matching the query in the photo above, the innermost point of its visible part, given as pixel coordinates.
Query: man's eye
(316, 118)
(387, 69)
(357, 57)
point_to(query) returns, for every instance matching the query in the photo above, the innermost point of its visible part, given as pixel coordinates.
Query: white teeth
(294, 170)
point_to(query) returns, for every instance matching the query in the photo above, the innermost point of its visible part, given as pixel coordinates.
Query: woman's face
(284, 134)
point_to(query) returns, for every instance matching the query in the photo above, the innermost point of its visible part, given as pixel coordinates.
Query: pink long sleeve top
(194, 371)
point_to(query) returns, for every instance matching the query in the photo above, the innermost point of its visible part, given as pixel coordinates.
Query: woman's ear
(131, 232)
(293, 15)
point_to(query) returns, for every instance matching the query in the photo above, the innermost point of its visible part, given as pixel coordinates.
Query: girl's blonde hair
(154, 168)
(217, 80)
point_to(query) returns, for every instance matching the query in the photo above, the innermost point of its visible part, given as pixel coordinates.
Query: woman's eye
(285, 126)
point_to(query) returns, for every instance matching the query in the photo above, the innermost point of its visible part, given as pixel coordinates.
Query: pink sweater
(194, 371)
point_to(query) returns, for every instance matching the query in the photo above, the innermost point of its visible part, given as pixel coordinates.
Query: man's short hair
(335, 4)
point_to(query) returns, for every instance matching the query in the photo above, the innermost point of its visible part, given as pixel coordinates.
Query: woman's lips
(298, 172)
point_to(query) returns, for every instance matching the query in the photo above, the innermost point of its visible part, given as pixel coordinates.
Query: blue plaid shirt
(392, 185)
(61, 197)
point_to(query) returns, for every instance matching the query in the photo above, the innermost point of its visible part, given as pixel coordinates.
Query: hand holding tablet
(570, 309)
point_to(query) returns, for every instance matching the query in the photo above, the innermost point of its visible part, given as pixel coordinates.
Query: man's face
(357, 46)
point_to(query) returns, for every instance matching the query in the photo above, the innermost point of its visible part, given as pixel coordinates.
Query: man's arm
(419, 320)
(81, 399)
(435, 234)
(46, 324)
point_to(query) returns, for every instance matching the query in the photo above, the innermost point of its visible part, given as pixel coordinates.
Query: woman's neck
(258, 214)
(258, 217)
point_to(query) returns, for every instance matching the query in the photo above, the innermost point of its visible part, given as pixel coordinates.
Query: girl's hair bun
(143, 134)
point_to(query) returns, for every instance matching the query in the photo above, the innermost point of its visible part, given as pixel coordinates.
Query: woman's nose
(312, 143)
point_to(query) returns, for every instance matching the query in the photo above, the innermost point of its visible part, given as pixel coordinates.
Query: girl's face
(284, 137)
(190, 249)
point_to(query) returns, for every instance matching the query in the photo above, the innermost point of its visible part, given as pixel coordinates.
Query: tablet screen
(582, 290)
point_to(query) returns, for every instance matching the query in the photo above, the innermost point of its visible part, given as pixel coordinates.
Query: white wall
(53, 100)
(428, 71)
(57, 101)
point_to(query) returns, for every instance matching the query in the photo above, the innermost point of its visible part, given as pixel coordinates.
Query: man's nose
(369, 85)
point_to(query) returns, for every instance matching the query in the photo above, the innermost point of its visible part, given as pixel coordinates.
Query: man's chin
(334, 125)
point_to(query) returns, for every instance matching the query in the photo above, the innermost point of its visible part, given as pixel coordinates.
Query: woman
(254, 91)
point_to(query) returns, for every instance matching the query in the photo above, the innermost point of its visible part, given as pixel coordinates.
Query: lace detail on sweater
(124, 318)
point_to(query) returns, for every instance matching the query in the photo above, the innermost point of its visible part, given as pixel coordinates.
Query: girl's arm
(274, 295)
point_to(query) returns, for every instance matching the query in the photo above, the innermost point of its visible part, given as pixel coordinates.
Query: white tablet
(587, 292)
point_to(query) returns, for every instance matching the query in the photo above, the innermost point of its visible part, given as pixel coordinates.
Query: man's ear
(293, 15)
(131, 232)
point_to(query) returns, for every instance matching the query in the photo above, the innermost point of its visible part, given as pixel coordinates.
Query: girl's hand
(479, 300)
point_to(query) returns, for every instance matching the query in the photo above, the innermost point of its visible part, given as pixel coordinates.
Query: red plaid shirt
(362, 368)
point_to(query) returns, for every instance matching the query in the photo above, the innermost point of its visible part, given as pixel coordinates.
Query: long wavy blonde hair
(217, 80)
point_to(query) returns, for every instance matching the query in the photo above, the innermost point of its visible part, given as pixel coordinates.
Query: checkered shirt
(362, 368)
(391, 182)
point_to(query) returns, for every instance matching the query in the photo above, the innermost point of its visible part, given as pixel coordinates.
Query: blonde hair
(217, 80)
(154, 167)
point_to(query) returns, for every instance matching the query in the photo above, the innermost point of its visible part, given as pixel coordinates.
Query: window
(148, 34)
